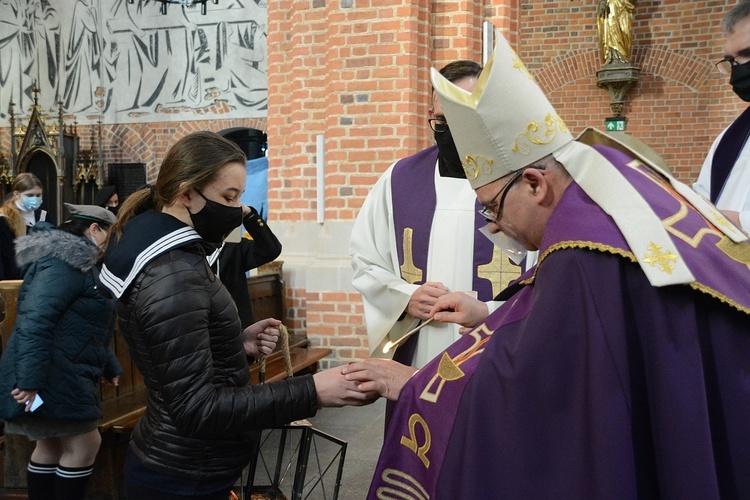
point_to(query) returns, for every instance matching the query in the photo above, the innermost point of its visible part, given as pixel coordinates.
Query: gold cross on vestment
(663, 259)
(411, 273)
(499, 271)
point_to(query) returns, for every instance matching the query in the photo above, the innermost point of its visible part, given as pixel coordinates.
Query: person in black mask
(107, 198)
(203, 417)
(416, 239)
(725, 175)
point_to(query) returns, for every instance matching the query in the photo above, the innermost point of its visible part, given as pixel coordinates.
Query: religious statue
(615, 23)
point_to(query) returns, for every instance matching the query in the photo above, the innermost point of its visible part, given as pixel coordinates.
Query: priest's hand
(334, 390)
(460, 308)
(421, 301)
(261, 337)
(384, 376)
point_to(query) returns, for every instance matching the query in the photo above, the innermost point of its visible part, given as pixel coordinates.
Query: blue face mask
(31, 202)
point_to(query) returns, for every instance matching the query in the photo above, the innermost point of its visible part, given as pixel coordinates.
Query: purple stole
(727, 151)
(414, 199)
(415, 446)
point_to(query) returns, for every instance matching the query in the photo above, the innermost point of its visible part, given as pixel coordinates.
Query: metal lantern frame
(298, 443)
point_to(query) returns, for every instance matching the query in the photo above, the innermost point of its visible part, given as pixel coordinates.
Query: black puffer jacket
(60, 342)
(184, 334)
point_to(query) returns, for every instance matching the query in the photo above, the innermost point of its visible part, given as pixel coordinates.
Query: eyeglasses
(438, 124)
(488, 211)
(725, 65)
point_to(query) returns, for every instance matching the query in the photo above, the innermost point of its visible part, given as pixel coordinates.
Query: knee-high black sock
(41, 480)
(71, 482)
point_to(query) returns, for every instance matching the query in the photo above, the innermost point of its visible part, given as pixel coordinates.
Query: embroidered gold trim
(402, 483)
(587, 245)
(739, 252)
(519, 65)
(539, 135)
(474, 165)
(719, 296)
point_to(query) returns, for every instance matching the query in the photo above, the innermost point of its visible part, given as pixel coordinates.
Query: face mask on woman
(215, 221)
(31, 202)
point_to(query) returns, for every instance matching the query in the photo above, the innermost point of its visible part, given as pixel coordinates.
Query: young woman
(20, 212)
(203, 416)
(58, 352)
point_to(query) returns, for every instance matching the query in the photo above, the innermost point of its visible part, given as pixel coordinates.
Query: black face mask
(448, 160)
(113, 209)
(215, 221)
(740, 81)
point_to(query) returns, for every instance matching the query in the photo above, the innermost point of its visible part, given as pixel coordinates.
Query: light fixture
(184, 3)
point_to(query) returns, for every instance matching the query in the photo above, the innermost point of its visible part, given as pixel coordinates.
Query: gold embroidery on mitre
(519, 65)
(474, 165)
(540, 135)
(735, 251)
(402, 484)
(664, 259)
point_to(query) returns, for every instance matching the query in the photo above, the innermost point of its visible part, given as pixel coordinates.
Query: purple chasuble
(420, 430)
(414, 200)
(727, 151)
(589, 382)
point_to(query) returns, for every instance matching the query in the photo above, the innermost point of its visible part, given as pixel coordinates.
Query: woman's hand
(383, 376)
(24, 397)
(335, 390)
(261, 337)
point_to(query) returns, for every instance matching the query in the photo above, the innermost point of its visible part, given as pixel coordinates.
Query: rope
(284, 334)
(285, 350)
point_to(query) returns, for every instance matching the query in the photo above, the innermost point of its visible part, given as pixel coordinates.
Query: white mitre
(507, 123)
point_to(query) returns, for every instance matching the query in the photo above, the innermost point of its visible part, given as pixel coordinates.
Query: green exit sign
(615, 124)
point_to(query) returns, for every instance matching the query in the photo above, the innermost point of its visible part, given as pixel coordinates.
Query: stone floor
(362, 428)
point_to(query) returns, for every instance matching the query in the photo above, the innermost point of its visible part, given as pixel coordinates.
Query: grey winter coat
(64, 325)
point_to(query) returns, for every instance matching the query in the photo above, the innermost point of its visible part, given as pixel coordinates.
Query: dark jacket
(9, 270)
(184, 334)
(60, 341)
(235, 259)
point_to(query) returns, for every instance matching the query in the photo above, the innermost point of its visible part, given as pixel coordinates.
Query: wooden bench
(124, 405)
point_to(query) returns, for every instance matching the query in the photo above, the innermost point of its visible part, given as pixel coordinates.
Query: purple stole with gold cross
(414, 200)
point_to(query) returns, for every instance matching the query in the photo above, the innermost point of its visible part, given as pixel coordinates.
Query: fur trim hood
(71, 249)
